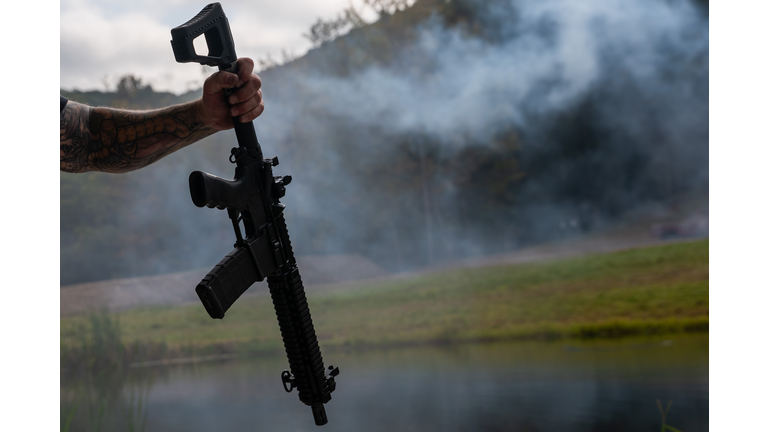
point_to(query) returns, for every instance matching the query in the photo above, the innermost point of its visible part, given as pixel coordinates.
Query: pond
(512, 386)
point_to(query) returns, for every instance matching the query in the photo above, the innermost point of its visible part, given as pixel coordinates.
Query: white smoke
(450, 83)
(632, 73)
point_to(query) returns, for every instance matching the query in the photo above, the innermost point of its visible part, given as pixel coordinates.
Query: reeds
(664, 426)
(99, 391)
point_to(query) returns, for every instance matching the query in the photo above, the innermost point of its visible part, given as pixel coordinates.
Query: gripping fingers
(220, 81)
(252, 114)
(250, 101)
(247, 90)
(244, 68)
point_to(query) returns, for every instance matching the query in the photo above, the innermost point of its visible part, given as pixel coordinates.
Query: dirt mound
(179, 288)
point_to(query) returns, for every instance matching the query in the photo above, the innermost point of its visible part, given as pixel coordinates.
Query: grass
(660, 289)
(98, 392)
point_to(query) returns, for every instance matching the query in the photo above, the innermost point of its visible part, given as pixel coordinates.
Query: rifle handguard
(298, 333)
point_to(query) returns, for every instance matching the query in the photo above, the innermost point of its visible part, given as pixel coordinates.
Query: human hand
(216, 110)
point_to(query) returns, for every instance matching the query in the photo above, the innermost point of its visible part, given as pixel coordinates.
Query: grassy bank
(660, 289)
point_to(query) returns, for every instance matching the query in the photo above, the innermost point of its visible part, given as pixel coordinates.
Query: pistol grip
(211, 191)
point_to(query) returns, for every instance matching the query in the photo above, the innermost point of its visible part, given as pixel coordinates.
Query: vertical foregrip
(299, 338)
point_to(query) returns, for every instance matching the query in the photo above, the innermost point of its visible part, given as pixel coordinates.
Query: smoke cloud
(550, 55)
(532, 120)
(617, 88)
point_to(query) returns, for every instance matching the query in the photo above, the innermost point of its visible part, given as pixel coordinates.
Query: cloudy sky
(102, 40)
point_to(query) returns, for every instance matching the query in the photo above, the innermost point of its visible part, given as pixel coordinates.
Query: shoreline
(647, 291)
(578, 333)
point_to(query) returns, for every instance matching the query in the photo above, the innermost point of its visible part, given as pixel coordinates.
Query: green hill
(656, 290)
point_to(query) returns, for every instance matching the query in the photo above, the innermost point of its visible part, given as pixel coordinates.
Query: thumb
(219, 81)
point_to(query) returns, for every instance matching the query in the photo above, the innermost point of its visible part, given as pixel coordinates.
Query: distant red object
(695, 226)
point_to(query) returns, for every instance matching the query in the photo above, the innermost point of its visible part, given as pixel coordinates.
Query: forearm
(115, 140)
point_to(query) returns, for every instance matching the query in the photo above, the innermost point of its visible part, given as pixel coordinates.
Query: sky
(103, 40)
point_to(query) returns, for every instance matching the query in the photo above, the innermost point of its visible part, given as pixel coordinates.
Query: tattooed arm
(115, 140)
(112, 140)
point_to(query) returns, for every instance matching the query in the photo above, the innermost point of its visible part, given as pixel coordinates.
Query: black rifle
(253, 198)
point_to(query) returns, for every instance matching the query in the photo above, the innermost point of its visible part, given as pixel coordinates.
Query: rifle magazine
(227, 281)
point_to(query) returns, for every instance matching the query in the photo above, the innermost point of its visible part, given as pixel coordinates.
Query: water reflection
(110, 398)
(99, 391)
(521, 386)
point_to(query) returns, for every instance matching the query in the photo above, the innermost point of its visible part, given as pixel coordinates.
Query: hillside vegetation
(442, 131)
(654, 290)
